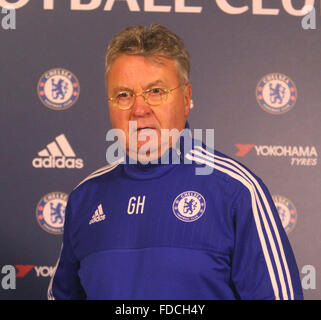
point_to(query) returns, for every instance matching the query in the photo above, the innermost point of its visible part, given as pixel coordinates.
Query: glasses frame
(143, 94)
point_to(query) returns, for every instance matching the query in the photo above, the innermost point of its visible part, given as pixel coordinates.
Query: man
(149, 230)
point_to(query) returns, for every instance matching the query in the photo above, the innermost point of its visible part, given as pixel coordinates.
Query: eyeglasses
(125, 99)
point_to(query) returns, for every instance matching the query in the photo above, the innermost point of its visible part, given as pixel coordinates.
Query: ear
(187, 98)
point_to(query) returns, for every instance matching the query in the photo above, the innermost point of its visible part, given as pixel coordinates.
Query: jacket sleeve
(263, 263)
(65, 283)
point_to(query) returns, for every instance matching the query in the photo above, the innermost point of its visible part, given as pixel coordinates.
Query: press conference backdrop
(256, 81)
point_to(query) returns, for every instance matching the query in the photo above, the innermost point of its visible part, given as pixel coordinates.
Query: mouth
(144, 133)
(143, 129)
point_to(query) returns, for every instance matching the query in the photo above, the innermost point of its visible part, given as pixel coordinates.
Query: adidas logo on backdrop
(58, 154)
(98, 215)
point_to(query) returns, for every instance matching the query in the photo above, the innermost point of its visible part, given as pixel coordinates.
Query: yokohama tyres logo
(12, 272)
(41, 271)
(298, 155)
(243, 149)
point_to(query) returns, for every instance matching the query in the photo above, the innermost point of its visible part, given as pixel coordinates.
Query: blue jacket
(163, 232)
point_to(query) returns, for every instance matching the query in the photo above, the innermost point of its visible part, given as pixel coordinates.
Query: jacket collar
(167, 162)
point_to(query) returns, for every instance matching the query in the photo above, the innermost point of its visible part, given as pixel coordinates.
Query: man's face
(136, 74)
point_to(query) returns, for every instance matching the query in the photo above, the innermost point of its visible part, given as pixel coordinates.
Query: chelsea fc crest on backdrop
(287, 212)
(50, 212)
(276, 93)
(189, 206)
(58, 89)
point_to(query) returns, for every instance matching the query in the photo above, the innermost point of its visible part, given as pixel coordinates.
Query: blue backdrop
(256, 81)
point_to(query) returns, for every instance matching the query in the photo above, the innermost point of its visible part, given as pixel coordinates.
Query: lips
(145, 128)
(145, 131)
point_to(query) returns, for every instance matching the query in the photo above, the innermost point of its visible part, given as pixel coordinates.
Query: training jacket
(165, 232)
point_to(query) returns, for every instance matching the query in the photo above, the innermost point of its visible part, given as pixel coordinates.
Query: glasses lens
(156, 96)
(124, 99)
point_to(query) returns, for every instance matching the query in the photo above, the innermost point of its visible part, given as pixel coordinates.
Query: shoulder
(224, 166)
(94, 176)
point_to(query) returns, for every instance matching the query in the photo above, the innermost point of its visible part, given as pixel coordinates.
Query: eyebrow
(154, 83)
(119, 89)
(151, 84)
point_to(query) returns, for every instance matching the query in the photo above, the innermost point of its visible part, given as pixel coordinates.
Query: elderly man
(149, 230)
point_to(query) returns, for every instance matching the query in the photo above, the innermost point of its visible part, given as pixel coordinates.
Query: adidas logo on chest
(98, 215)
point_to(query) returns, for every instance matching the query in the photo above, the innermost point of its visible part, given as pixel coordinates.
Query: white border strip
(240, 176)
(246, 174)
(100, 171)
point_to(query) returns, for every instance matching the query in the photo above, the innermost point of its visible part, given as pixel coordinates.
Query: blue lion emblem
(277, 93)
(56, 213)
(59, 88)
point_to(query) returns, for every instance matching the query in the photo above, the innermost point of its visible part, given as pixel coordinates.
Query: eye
(123, 95)
(156, 91)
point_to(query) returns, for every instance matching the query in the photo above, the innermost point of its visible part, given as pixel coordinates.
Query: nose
(141, 108)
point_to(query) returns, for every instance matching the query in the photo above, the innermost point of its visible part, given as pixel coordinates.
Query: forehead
(137, 70)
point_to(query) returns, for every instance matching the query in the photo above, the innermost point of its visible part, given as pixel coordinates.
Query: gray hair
(150, 42)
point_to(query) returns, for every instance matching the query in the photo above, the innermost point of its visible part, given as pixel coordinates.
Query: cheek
(173, 116)
(118, 119)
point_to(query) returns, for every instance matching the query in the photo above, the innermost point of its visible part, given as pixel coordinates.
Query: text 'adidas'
(58, 154)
